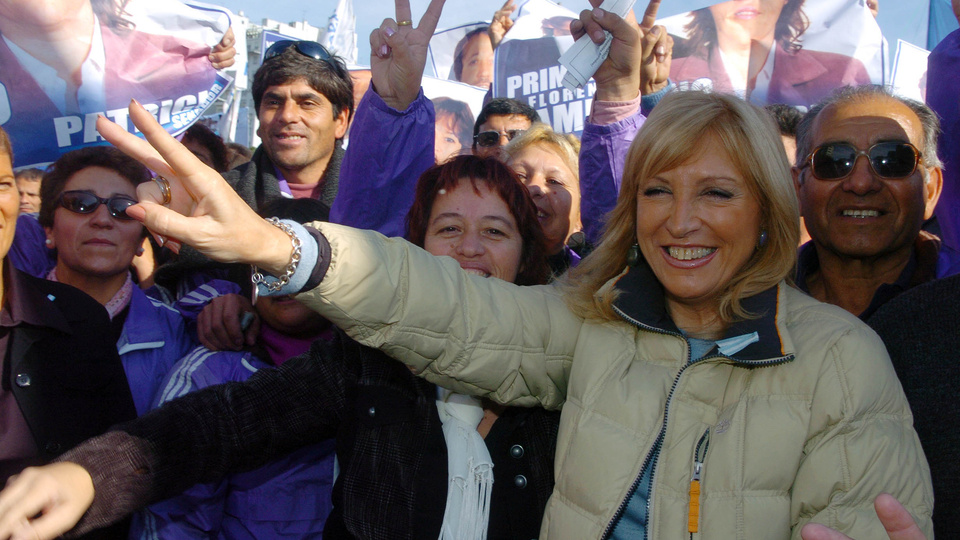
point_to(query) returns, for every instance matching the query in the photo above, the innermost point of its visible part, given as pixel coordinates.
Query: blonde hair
(567, 145)
(670, 138)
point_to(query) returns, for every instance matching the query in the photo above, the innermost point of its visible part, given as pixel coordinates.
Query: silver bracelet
(257, 277)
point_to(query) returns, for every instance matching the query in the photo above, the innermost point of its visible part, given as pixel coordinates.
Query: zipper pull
(693, 517)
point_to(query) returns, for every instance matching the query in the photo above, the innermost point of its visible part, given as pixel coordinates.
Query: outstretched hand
(896, 520)
(44, 502)
(204, 212)
(398, 54)
(619, 77)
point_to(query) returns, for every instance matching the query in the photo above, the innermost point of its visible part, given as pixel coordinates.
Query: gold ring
(164, 186)
(404, 23)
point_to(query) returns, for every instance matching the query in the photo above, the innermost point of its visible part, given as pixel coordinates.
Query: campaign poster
(909, 75)
(54, 86)
(773, 51)
(456, 106)
(527, 66)
(463, 54)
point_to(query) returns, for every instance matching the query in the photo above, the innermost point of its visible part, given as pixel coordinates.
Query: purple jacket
(603, 150)
(287, 498)
(943, 86)
(388, 152)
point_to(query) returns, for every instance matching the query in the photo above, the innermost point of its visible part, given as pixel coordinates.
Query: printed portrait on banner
(61, 66)
(776, 51)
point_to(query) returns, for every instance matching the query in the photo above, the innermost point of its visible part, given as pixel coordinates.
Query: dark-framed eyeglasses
(84, 202)
(891, 160)
(310, 49)
(492, 138)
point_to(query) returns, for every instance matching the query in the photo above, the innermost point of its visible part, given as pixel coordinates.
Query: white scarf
(469, 468)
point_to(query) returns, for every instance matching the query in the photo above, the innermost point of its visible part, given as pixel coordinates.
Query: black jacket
(390, 446)
(65, 375)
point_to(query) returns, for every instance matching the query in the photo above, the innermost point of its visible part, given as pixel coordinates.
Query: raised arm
(633, 62)
(391, 138)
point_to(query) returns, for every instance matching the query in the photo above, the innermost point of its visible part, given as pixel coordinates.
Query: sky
(898, 18)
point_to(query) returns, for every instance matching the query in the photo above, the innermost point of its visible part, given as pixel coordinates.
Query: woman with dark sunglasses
(83, 200)
(62, 379)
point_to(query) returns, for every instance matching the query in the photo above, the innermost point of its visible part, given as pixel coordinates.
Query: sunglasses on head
(84, 202)
(492, 138)
(892, 160)
(310, 49)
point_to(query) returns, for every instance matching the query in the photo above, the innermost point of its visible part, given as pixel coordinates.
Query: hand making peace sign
(398, 53)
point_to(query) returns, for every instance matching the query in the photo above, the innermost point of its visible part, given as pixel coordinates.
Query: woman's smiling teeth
(476, 272)
(689, 254)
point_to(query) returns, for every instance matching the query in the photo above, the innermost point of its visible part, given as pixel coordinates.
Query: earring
(139, 251)
(762, 240)
(633, 255)
(48, 242)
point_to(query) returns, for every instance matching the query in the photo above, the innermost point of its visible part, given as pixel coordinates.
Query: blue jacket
(153, 339)
(287, 498)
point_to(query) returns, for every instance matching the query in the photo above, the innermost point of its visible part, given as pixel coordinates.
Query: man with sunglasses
(867, 176)
(865, 217)
(498, 123)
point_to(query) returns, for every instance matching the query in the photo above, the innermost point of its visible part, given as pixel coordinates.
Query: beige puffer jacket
(808, 424)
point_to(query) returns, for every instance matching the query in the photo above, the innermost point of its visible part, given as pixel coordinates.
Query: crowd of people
(700, 319)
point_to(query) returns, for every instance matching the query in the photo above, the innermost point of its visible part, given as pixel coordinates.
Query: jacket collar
(31, 305)
(144, 326)
(641, 302)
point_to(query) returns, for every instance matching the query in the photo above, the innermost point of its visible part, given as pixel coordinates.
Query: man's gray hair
(928, 119)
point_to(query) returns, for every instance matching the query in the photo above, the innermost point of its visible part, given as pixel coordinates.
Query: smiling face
(94, 246)
(555, 190)
(299, 130)
(747, 20)
(697, 226)
(864, 216)
(476, 229)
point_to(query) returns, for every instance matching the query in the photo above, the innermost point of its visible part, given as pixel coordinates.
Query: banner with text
(154, 52)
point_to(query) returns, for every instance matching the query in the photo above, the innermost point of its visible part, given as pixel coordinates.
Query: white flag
(341, 36)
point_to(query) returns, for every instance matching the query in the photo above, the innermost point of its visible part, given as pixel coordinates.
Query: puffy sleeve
(861, 442)
(474, 335)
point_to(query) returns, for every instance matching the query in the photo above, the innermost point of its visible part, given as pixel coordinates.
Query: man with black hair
(304, 101)
(499, 121)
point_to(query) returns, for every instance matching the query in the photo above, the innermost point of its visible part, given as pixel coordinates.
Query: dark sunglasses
(891, 160)
(310, 49)
(492, 138)
(84, 202)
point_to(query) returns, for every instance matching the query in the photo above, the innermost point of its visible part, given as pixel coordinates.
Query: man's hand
(501, 23)
(898, 523)
(399, 53)
(219, 324)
